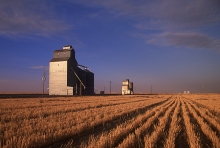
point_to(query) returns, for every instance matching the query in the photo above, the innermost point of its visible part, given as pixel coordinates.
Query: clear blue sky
(172, 45)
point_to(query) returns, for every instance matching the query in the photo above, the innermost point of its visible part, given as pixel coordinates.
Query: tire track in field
(107, 125)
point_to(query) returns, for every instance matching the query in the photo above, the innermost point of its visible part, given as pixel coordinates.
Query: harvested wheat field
(112, 121)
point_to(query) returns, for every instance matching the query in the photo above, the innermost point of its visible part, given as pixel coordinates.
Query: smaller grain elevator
(67, 77)
(127, 87)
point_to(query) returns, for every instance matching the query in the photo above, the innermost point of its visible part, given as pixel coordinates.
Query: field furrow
(113, 137)
(207, 117)
(110, 136)
(174, 129)
(111, 121)
(152, 140)
(146, 127)
(192, 138)
(206, 129)
(45, 111)
(53, 129)
(181, 139)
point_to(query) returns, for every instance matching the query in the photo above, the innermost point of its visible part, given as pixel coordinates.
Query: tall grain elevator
(67, 77)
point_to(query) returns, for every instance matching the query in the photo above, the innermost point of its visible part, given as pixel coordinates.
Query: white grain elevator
(67, 77)
(127, 87)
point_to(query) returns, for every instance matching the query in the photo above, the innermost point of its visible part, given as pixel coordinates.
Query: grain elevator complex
(67, 77)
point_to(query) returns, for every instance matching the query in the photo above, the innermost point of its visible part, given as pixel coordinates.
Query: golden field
(129, 121)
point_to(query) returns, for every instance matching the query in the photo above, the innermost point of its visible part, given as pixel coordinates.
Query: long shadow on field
(99, 128)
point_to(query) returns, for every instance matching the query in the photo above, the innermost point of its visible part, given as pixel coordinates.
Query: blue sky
(172, 45)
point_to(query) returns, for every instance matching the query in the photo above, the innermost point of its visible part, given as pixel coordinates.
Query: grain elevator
(127, 87)
(67, 77)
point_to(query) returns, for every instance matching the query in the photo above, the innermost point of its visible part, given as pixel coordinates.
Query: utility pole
(43, 80)
(110, 87)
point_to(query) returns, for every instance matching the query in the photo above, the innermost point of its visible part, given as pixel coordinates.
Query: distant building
(127, 87)
(67, 77)
(186, 92)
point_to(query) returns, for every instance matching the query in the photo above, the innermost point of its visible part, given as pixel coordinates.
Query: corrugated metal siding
(87, 79)
(58, 78)
(71, 78)
(89, 83)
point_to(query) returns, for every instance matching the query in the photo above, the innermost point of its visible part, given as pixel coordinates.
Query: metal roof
(61, 50)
